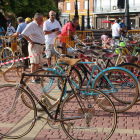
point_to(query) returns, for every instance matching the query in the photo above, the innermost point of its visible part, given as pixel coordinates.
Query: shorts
(33, 51)
(50, 51)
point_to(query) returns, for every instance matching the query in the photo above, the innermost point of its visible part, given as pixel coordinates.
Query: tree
(27, 8)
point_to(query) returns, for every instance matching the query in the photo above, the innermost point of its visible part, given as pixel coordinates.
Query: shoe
(35, 81)
(45, 65)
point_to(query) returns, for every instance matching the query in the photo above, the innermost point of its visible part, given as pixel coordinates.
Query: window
(85, 4)
(78, 3)
(68, 6)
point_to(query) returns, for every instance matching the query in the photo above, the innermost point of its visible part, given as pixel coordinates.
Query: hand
(56, 29)
(32, 44)
(58, 33)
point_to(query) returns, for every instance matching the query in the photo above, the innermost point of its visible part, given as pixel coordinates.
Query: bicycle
(81, 114)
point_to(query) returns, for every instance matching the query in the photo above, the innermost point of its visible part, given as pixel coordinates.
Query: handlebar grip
(69, 56)
(81, 51)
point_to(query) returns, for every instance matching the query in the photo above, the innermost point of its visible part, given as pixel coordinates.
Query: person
(51, 29)
(2, 31)
(23, 42)
(123, 27)
(98, 27)
(104, 38)
(10, 29)
(68, 30)
(28, 20)
(35, 36)
(116, 29)
(108, 42)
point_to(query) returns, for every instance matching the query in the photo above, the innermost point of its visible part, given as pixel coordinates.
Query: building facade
(67, 8)
(100, 10)
(108, 10)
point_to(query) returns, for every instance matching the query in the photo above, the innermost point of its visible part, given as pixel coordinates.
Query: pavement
(128, 123)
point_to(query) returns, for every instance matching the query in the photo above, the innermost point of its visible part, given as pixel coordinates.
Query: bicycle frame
(41, 104)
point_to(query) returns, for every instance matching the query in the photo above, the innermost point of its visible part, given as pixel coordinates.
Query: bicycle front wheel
(84, 119)
(16, 119)
(125, 92)
(135, 69)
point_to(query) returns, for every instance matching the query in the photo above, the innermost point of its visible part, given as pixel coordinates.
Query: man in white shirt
(116, 29)
(52, 29)
(35, 36)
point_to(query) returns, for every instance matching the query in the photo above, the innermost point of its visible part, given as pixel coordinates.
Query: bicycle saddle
(70, 62)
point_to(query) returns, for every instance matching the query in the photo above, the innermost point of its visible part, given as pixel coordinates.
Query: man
(123, 28)
(28, 20)
(52, 29)
(68, 30)
(23, 42)
(116, 29)
(35, 36)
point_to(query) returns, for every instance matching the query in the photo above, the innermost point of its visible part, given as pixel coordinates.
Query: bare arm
(17, 34)
(49, 32)
(28, 39)
(70, 34)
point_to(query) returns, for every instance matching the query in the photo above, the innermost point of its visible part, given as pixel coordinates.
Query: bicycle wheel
(87, 120)
(7, 55)
(135, 69)
(126, 88)
(16, 118)
(47, 86)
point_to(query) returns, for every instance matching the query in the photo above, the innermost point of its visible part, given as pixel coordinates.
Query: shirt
(10, 30)
(20, 28)
(34, 32)
(122, 25)
(48, 26)
(64, 32)
(104, 37)
(1, 29)
(115, 30)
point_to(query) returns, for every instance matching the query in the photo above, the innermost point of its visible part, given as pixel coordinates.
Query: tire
(135, 69)
(19, 121)
(101, 123)
(125, 85)
(7, 55)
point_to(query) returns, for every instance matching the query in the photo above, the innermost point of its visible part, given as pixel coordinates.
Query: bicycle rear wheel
(89, 120)
(126, 88)
(16, 120)
(7, 55)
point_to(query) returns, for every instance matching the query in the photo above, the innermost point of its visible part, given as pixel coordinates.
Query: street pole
(76, 14)
(88, 19)
(127, 18)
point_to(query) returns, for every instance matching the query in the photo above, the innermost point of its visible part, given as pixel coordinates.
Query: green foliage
(27, 8)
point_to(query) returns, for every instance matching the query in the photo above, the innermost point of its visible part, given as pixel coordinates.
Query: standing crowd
(35, 38)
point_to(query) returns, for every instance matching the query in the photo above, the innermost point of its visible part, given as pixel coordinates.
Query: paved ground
(128, 126)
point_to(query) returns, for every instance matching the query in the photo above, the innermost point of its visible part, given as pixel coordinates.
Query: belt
(38, 43)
